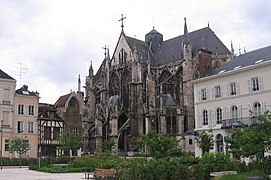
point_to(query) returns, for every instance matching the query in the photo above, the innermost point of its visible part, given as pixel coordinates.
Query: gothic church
(146, 86)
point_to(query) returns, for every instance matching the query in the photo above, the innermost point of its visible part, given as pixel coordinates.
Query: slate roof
(44, 110)
(141, 46)
(24, 91)
(170, 50)
(167, 100)
(244, 60)
(4, 75)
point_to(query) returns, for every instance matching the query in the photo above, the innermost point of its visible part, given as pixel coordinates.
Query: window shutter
(17, 108)
(263, 107)
(200, 120)
(199, 94)
(25, 127)
(213, 121)
(249, 110)
(260, 83)
(228, 90)
(26, 109)
(16, 126)
(249, 85)
(35, 127)
(227, 113)
(237, 85)
(221, 91)
(35, 110)
(224, 113)
(207, 94)
(239, 111)
(213, 93)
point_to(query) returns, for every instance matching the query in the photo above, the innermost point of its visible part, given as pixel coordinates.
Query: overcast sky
(55, 40)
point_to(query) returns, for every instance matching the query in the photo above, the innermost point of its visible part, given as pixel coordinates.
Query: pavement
(13, 173)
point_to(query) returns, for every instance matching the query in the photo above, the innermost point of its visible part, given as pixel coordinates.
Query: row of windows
(254, 84)
(30, 110)
(233, 114)
(26, 127)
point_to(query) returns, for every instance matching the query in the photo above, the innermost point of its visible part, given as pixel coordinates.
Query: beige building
(232, 94)
(26, 118)
(7, 90)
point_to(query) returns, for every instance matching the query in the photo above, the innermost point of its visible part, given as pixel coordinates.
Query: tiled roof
(24, 91)
(168, 100)
(170, 50)
(244, 60)
(4, 75)
(62, 100)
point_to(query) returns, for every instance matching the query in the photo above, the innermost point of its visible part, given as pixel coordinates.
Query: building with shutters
(7, 91)
(26, 118)
(231, 95)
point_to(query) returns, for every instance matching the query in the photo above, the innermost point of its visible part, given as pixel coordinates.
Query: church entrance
(123, 133)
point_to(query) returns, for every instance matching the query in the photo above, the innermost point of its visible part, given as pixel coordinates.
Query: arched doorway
(123, 133)
(219, 143)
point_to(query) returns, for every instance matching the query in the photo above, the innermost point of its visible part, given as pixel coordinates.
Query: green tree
(205, 141)
(254, 139)
(19, 145)
(107, 145)
(159, 145)
(69, 141)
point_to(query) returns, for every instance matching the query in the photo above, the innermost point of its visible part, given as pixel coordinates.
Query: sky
(47, 44)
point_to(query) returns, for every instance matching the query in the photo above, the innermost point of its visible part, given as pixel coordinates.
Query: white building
(232, 94)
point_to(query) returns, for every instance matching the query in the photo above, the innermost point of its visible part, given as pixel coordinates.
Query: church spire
(185, 32)
(90, 71)
(79, 84)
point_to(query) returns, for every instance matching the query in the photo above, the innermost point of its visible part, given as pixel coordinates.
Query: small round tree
(205, 141)
(20, 146)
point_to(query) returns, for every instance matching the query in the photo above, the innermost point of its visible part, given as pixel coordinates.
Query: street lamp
(1, 156)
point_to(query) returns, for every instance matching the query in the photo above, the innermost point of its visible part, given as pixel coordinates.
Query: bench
(99, 172)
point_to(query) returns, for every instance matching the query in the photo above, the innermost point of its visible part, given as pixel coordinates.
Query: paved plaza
(13, 173)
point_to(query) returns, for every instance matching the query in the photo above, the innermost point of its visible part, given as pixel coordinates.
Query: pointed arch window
(126, 79)
(168, 83)
(122, 56)
(171, 121)
(114, 85)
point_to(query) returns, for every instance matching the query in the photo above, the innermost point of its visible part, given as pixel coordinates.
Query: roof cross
(121, 19)
(105, 49)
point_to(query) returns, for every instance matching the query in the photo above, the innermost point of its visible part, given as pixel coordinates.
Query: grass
(241, 176)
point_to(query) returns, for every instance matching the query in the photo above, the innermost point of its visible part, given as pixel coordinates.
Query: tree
(69, 141)
(159, 145)
(107, 145)
(205, 141)
(254, 139)
(20, 146)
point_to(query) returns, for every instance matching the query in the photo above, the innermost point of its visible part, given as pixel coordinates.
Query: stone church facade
(146, 86)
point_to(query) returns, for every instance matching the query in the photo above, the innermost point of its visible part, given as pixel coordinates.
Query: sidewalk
(13, 173)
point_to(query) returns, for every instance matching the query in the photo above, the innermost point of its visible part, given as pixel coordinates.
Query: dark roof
(62, 100)
(247, 59)
(167, 100)
(170, 50)
(24, 91)
(45, 109)
(141, 46)
(4, 75)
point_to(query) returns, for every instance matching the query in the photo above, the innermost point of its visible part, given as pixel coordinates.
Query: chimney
(205, 62)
